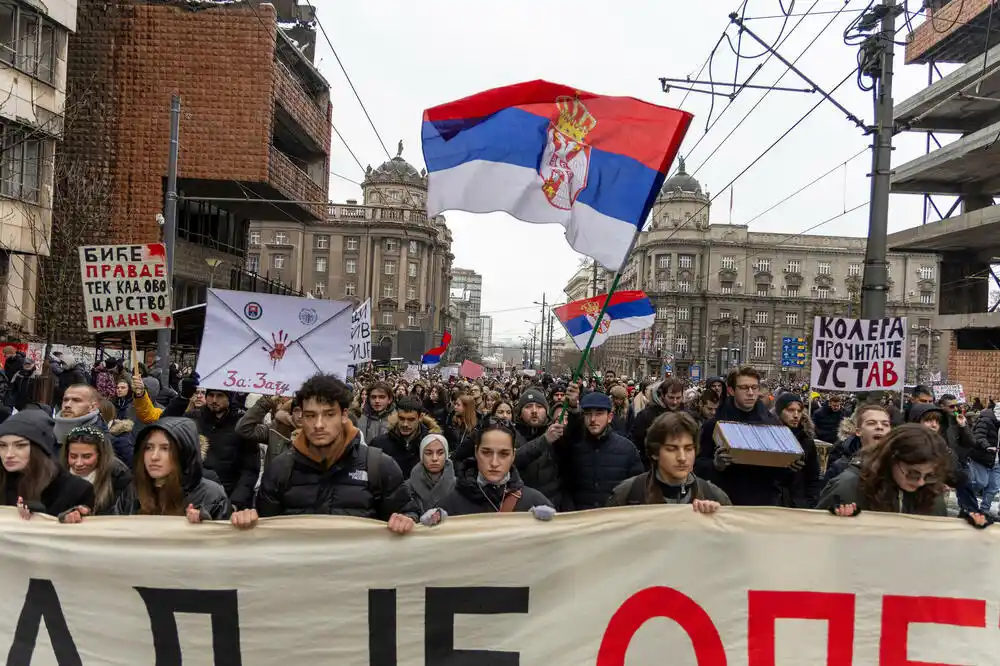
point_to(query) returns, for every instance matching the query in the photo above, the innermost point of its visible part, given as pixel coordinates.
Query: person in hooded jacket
(957, 437)
(433, 478)
(30, 477)
(408, 426)
(88, 454)
(868, 425)
(374, 421)
(539, 440)
(983, 457)
(828, 417)
(623, 416)
(665, 396)
(167, 475)
(804, 487)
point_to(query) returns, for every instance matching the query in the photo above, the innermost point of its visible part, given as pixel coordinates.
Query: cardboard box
(758, 444)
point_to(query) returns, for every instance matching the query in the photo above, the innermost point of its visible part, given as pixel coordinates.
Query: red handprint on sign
(276, 350)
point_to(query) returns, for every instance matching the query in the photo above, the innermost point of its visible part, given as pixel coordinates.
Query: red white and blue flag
(628, 312)
(551, 154)
(433, 356)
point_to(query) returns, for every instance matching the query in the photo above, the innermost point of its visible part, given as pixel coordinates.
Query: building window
(725, 314)
(390, 267)
(763, 290)
(662, 313)
(685, 261)
(254, 239)
(388, 291)
(823, 268)
(793, 266)
(280, 238)
(411, 269)
(390, 245)
(319, 289)
(792, 292)
(662, 285)
(322, 241)
(927, 297)
(854, 270)
(759, 347)
(763, 266)
(681, 344)
(20, 165)
(352, 243)
(350, 289)
(278, 261)
(659, 341)
(791, 318)
(926, 272)
(683, 286)
(823, 292)
(411, 320)
(411, 293)
(726, 287)
(413, 247)
(663, 262)
(350, 266)
(729, 263)
(387, 319)
(321, 264)
(253, 262)
(8, 33)
(683, 314)
(760, 317)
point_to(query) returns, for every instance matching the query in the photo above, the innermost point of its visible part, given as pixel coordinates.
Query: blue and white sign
(695, 373)
(793, 352)
(667, 369)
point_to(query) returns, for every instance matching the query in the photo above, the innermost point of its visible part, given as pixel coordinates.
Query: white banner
(268, 343)
(125, 287)
(615, 587)
(949, 389)
(852, 355)
(361, 333)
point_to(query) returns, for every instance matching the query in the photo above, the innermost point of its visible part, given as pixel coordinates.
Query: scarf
(63, 424)
(659, 491)
(430, 489)
(331, 454)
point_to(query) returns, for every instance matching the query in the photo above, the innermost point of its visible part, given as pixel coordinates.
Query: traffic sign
(695, 373)
(793, 352)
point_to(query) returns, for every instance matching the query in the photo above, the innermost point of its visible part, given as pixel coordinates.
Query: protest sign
(412, 373)
(810, 589)
(852, 355)
(361, 334)
(470, 370)
(125, 287)
(268, 343)
(949, 389)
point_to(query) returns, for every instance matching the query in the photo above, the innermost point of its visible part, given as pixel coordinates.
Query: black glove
(189, 385)
(965, 515)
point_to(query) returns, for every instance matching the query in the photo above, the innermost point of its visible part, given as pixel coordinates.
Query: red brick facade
(977, 371)
(941, 24)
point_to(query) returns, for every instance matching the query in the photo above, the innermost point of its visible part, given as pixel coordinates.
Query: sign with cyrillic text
(125, 287)
(361, 333)
(810, 589)
(853, 355)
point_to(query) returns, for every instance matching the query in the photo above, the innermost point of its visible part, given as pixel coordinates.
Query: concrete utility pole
(170, 230)
(549, 353)
(873, 289)
(541, 341)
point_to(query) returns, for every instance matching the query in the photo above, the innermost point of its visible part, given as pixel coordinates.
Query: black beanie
(35, 426)
(785, 399)
(533, 395)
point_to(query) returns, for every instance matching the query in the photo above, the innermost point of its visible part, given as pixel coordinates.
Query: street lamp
(213, 263)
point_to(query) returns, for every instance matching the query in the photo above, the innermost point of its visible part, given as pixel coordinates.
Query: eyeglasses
(916, 476)
(747, 388)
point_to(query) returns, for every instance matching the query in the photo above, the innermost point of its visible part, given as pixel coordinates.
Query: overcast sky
(406, 56)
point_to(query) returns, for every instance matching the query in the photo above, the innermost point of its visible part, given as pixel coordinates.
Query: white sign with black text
(361, 334)
(854, 355)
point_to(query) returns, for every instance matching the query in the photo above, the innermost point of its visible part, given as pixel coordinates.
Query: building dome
(681, 181)
(396, 171)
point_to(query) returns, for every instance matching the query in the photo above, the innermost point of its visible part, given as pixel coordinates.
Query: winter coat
(124, 407)
(644, 419)
(596, 465)
(296, 484)
(469, 497)
(121, 479)
(623, 424)
(405, 452)
(960, 440)
(746, 485)
(805, 485)
(252, 428)
(373, 425)
(203, 494)
(63, 493)
(840, 456)
(426, 494)
(846, 489)
(123, 440)
(646, 488)
(540, 464)
(985, 435)
(461, 442)
(827, 422)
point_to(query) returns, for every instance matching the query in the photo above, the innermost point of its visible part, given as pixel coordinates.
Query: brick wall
(942, 23)
(977, 371)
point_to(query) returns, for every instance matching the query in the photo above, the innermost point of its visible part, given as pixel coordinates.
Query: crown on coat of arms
(575, 121)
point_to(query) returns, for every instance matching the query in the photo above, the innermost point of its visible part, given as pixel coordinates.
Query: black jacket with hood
(960, 441)
(206, 495)
(827, 422)
(985, 434)
(746, 485)
(470, 497)
(542, 466)
(406, 452)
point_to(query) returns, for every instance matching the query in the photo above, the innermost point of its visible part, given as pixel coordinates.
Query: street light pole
(170, 230)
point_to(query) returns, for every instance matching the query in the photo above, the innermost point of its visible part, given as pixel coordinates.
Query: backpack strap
(373, 463)
(510, 501)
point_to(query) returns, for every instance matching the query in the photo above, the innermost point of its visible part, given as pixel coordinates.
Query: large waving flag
(550, 154)
(627, 312)
(433, 356)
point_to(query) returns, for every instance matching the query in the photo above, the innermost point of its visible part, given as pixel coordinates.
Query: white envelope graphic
(270, 344)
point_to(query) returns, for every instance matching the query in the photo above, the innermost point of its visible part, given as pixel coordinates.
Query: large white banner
(853, 355)
(268, 343)
(633, 586)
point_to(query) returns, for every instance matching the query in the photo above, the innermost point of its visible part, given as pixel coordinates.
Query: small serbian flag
(433, 356)
(628, 312)
(550, 154)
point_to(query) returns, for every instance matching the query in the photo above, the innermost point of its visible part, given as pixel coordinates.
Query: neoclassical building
(724, 294)
(384, 247)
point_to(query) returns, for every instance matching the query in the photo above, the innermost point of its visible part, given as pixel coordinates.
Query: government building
(384, 248)
(725, 295)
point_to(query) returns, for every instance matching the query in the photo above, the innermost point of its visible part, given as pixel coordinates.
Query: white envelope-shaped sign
(270, 344)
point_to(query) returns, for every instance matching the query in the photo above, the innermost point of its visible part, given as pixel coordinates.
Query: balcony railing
(293, 182)
(293, 98)
(375, 213)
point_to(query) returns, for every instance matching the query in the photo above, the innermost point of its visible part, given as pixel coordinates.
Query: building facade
(33, 47)
(724, 294)
(486, 335)
(385, 248)
(254, 137)
(466, 299)
(589, 280)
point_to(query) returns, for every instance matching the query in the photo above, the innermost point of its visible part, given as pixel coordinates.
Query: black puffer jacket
(405, 452)
(469, 497)
(295, 484)
(827, 422)
(746, 485)
(985, 433)
(206, 495)
(541, 464)
(595, 467)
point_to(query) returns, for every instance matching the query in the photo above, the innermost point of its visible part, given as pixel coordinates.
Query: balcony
(301, 107)
(294, 183)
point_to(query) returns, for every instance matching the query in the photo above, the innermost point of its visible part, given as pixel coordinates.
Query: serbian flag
(433, 356)
(628, 312)
(551, 154)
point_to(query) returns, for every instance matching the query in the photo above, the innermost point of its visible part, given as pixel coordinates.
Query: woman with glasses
(904, 473)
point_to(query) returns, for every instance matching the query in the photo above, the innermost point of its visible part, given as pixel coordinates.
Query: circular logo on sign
(308, 316)
(253, 311)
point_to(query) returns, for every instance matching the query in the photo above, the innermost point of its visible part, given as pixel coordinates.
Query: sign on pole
(125, 287)
(793, 352)
(695, 373)
(852, 355)
(361, 333)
